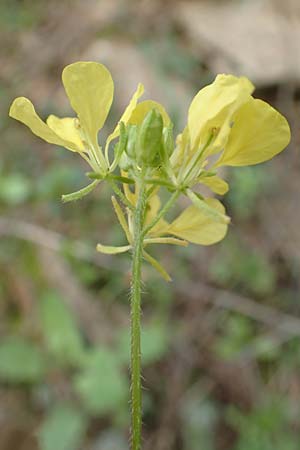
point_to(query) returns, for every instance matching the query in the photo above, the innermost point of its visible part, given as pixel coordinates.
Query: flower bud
(150, 139)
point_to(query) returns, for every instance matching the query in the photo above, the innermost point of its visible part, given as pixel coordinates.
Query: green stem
(162, 212)
(136, 391)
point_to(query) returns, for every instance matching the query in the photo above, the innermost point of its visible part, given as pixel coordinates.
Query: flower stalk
(136, 290)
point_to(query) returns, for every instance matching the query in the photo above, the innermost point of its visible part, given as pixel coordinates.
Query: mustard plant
(226, 126)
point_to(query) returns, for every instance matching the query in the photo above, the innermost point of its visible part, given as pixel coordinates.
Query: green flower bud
(132, 132)
(150, 139)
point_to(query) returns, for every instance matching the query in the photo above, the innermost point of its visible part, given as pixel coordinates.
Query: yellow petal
(259, 132)
(194, 226)
(213, 107)
(216, 184)
(66, 129)
(141, 110)
(23, 110)
(90, 89)
(128, 111)
(153, 207)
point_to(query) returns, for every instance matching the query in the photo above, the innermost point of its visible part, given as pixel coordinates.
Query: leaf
(60, 330)
(15, 188)
(63, 429)
(21, 361)
(102, 385)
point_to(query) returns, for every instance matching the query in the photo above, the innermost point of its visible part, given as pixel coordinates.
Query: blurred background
(221, 343)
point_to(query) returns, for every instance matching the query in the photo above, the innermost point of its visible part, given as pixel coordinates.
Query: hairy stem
(136, 394)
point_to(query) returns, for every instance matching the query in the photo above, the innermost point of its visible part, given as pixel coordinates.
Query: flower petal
(213, 106)
(23, 110)
(66, 129)
(153, 207)
(141, 110)
(195, 226)
(90, 89)
(128, 111)
(259, 132)
(216, 184)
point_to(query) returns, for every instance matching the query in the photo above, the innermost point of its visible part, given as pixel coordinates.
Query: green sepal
(150, 139)
(111, 250)
(168, 142)
(132, 133)
(120, 147)
(121, 218)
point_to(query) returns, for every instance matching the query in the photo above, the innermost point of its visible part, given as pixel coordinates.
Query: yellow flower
(89, 87)
(227, 124)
